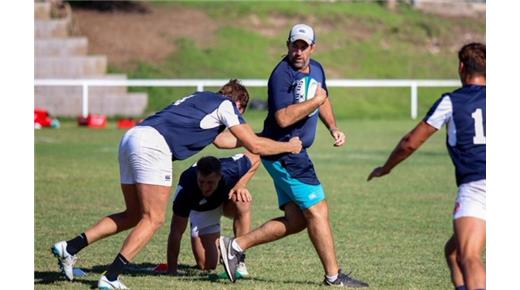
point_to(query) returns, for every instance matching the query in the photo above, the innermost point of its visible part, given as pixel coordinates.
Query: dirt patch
(128, 37)
(269, 27)
(150, 36)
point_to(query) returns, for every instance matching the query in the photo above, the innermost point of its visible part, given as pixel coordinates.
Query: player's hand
(296, 145)
(240, 194)
(320, 95)
(339, 137)
(378, 172)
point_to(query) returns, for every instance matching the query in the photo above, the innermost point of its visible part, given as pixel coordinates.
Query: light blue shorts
(291, 189)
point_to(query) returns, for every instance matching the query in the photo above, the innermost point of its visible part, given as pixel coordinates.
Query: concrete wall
(60, 56)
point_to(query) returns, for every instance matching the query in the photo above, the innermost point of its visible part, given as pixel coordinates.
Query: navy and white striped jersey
(188, 196)
(191, 123)
(464, 113)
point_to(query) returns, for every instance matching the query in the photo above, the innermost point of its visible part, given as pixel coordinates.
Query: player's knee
(205, 264)
(243, 207)
(210, 265)
(155, 219)
(316, 212)
(159, 221)
(201, 263)
(469, 260)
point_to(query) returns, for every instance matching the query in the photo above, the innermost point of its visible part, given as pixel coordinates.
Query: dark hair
(236, 92)
(473, 57)
(208, 165)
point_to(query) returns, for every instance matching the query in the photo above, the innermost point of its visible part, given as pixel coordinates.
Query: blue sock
(461, 287)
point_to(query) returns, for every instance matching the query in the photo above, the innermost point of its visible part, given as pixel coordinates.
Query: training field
(390, 232)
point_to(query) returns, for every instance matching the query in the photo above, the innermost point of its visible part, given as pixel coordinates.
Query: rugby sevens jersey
(191, 123)
(188, 196)
(464, 113)
(283, 90)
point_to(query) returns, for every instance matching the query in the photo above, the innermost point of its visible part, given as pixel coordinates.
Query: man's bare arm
(263, 146)
(293, 113)
(177, 228)
(408, 145)
(239, 192)
(328, 118)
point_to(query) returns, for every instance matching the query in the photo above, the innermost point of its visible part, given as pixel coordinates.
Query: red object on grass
(41, 116)
(125, 123)
(161, 268)
(96, 121)
(82, 121)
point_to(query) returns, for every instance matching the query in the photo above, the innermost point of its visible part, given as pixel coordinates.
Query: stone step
(70, 67)
(51, 28)
(128, 105)
(69, 46)
(77, 91)
(42, 10)
(124, 105)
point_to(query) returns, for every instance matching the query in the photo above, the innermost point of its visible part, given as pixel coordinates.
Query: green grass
(390, 231)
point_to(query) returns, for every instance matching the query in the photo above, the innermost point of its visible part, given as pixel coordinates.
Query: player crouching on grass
(146, 153)
(464, 113)
(206, 191)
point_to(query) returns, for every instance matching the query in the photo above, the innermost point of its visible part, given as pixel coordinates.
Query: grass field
(390, 231)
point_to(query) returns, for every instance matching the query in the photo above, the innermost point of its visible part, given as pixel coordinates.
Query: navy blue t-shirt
(464, 113)
(188, 196)
(284, 89)
(282, 92)
(191, 123)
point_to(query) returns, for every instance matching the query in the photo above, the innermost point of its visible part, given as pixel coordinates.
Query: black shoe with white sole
(345, 280)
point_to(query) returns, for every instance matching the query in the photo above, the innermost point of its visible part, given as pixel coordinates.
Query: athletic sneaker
(229, 257)
(106, 284)
(66, 261)
(242, 270)
(344, 280)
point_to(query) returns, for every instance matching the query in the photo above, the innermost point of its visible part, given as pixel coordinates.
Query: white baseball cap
(303, 32)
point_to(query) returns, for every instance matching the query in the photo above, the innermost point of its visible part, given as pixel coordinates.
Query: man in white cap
(294, 111)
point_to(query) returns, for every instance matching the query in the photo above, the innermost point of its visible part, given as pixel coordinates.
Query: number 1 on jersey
(479, 137)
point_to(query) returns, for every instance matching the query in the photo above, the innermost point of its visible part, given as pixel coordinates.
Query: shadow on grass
(142, 269)
(189, 273)
(46, 278)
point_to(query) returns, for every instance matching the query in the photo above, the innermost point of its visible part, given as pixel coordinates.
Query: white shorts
(144, 157)
(205, 222)
(471, 200)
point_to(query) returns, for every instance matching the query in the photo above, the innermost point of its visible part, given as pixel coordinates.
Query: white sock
(235, 246)
(332, 278)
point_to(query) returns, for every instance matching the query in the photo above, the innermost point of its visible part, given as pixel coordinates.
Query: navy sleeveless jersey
(464, 113)
(191, 123)
(188, 196)
(283, 91)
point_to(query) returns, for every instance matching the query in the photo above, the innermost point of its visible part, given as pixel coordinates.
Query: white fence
(201, 83)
